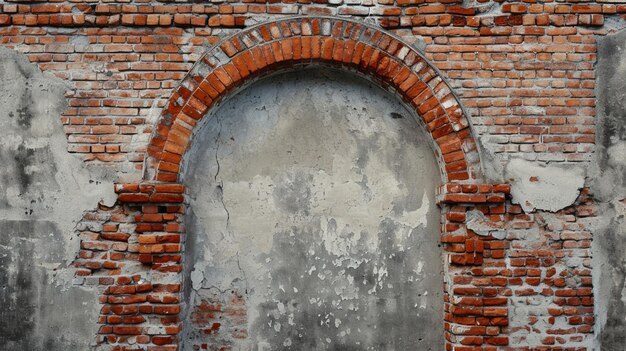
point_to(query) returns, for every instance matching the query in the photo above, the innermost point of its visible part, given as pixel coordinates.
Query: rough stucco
(43, 193)
(312, 200)
(608, 183)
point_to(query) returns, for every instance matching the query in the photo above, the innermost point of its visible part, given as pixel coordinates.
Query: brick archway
(145, 307)
(290, 42)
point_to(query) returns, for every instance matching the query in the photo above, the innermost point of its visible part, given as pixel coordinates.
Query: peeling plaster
(549, 187)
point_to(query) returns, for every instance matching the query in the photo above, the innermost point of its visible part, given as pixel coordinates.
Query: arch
(288, 44)
(315, 171)
(294, 41)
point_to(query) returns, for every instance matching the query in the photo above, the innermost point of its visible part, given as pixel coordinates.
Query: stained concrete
(312, 204)
(43, 193)
(608, 184)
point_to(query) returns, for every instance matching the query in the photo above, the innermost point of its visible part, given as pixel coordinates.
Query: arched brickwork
(308, 40)
(475, 302)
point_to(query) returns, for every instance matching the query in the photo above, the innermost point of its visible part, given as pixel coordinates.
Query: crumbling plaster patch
(535, 186)
(481, 225)
(547, 187)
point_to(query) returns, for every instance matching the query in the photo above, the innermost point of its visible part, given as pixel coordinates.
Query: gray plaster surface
(312, 203)
(608, 184)
(43, 193)
(549, 187)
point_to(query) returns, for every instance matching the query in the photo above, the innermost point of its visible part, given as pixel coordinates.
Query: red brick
(130, 197)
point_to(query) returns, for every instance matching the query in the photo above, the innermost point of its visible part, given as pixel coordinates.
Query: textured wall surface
(43, 193)
(313, 201)
(608, 181)
(536, 263)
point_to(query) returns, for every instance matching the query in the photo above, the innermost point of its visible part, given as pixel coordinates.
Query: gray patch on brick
(481, 225)
(549, 187)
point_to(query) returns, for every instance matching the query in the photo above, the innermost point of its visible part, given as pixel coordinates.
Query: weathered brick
(526, 76)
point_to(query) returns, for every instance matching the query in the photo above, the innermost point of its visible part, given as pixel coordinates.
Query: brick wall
(523, 71)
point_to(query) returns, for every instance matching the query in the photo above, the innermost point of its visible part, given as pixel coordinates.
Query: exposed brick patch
(550, 276)
(211, 316)
(531, 290)
(132, 252)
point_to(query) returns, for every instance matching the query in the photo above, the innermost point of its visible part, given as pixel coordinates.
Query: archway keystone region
(343, 43)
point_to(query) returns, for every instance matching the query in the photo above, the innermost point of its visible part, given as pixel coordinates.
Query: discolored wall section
(608, 182)
(43, 194)
(312, 221)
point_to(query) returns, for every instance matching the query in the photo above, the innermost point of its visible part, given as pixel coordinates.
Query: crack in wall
(220, 186)
(245, 278)
(217, 147)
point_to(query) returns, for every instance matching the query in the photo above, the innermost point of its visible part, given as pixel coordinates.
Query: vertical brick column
(135, 256)
(475, 283)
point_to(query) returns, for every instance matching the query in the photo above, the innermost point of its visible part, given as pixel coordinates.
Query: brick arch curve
(475, 304)
(339, 42)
